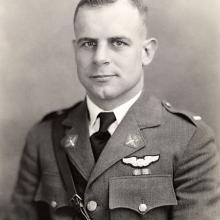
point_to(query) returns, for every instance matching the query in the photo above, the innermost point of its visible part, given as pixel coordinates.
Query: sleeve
(22, 206)
(197, 179)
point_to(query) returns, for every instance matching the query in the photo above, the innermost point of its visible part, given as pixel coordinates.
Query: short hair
(139, 4)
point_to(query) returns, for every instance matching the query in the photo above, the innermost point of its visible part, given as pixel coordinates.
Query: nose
(101, 55)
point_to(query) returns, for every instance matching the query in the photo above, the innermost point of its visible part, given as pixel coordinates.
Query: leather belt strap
(74, 199)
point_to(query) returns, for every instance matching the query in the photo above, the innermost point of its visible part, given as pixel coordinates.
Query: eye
(119, 43)
(89, 44)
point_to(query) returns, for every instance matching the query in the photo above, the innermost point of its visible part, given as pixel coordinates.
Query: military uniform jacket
(159, 164)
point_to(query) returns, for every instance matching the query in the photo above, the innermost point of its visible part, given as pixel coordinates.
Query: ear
(149, 49)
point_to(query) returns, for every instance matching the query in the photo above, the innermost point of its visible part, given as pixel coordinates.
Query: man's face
(109, 51)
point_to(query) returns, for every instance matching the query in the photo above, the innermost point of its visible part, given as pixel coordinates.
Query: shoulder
(43, 127)
(185, 115)
(195, 138)
(186, 120)
(59, 113)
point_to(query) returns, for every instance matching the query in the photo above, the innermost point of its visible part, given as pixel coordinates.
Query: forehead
(119, 17)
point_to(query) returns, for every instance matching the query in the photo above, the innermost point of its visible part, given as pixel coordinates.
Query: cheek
(83, 59)
(130, 64)
(130, 58)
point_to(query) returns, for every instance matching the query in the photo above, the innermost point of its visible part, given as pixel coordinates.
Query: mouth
(102, 78)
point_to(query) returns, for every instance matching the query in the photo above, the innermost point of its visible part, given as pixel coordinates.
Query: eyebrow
(83, 39)
(121, 38)
(80, 40)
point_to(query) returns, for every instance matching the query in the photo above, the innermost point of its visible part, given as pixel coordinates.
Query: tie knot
(106, 119)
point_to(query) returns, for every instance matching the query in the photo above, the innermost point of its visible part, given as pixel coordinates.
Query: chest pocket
(133, 197)
(51, 191)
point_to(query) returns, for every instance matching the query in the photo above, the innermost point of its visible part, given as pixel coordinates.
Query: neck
(110, 104)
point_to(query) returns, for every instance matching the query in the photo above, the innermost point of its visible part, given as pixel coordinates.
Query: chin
(105, 97)
(102, 93)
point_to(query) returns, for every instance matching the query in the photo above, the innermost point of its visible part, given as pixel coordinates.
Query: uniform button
(53, 204)
(91, 206)
(142, 207)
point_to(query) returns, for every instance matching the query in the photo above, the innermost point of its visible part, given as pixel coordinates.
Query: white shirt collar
(119, 112)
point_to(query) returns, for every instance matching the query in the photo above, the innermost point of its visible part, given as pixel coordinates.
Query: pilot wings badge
(141, 162)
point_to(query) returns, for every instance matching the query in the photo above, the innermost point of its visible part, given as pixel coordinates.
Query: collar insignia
(142, 162)
(133, 141)
(69, 141)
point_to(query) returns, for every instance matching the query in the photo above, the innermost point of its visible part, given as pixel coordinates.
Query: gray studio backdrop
(37, 69)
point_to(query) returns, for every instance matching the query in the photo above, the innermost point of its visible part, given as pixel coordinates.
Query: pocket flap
(142, 193)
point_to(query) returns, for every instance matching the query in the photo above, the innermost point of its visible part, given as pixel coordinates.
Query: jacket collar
(80, 153)
(145, 113)
(147, 110)
(76, 115)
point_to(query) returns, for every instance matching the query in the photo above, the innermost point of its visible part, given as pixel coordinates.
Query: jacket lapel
(80, 153)
(127, 139)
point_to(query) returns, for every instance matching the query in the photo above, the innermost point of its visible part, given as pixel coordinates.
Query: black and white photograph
(109, 110)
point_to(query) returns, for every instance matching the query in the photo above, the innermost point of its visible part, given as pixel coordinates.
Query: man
(131, 156)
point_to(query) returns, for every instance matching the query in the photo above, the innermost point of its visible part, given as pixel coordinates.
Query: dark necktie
(100, 138)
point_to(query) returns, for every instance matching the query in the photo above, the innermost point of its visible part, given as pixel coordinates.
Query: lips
(102, 77)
